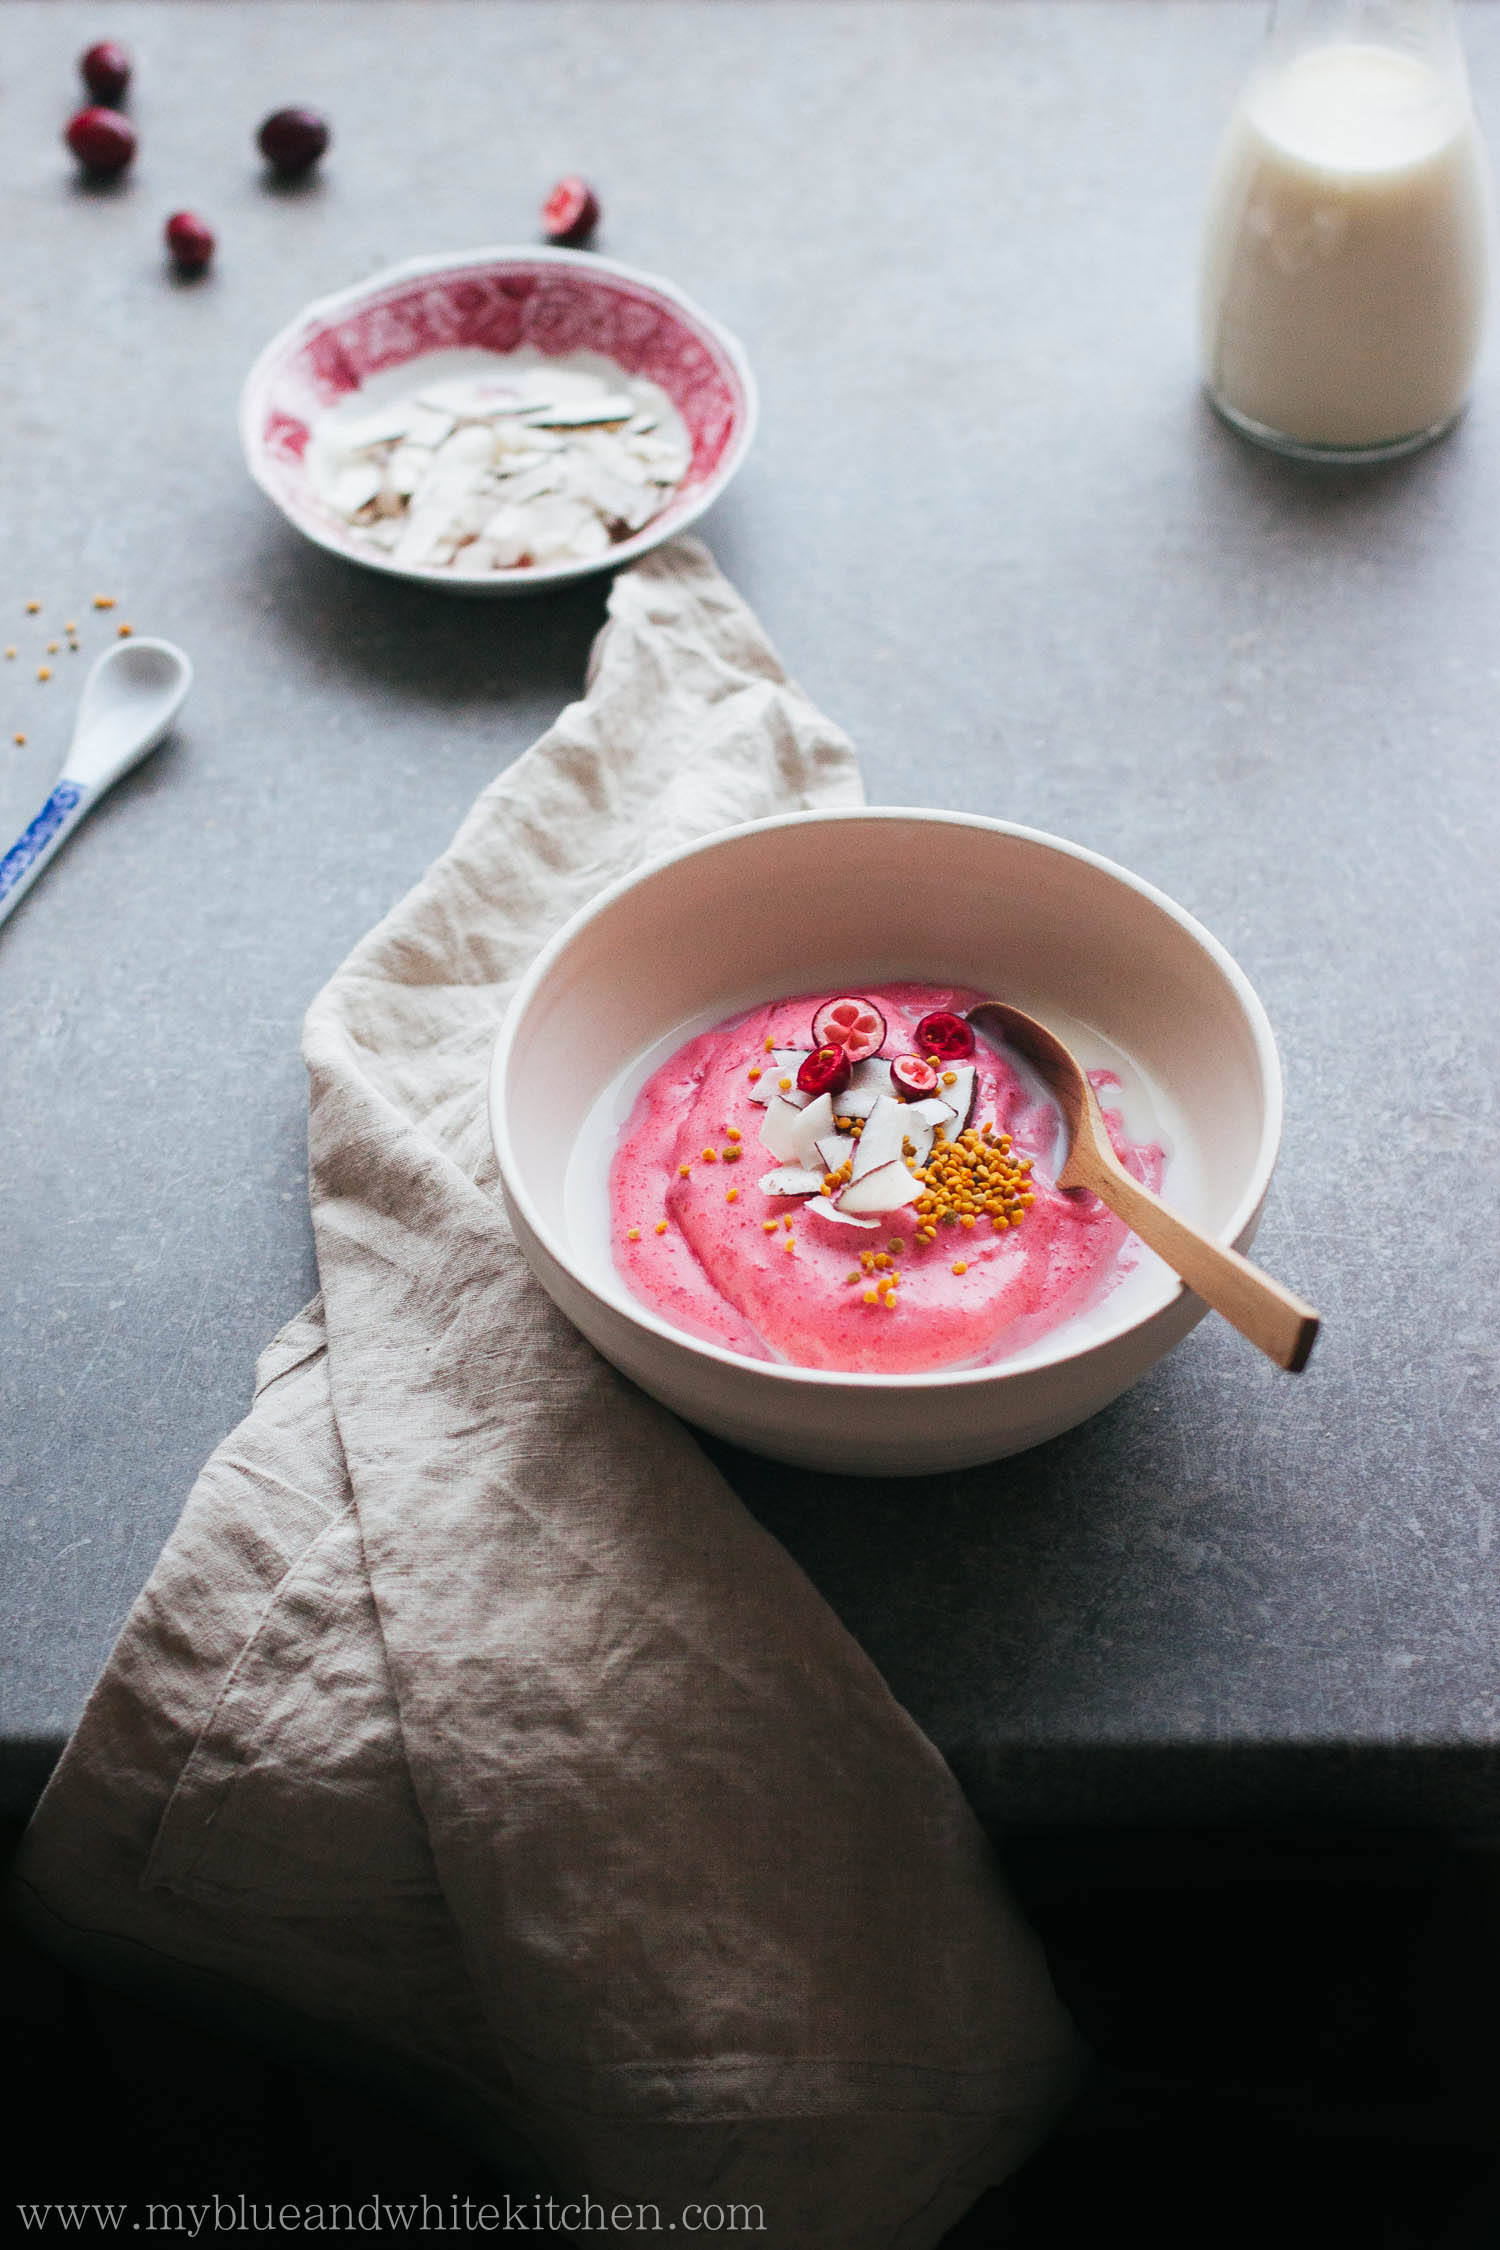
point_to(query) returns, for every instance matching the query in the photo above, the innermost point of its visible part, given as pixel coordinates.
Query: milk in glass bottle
(1346, 254)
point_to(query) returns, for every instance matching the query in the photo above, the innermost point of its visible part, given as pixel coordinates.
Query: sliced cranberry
(102, 140)
(292, 140)
(571, 212)
(855, 1025)
(190, 241)
(945, 1035)
(913, 1078)
(827, 1070)
(106, 70)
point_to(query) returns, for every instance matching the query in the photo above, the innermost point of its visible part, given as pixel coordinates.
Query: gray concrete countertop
(993, 529)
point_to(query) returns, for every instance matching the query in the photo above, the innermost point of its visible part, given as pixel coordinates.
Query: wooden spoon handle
(1281, 1325)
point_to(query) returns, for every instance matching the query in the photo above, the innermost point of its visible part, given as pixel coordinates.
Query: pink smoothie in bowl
(854, 1182)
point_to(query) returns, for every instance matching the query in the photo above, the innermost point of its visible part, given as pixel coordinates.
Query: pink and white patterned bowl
(494, 301)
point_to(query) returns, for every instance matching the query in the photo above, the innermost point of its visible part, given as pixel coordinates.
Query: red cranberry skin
(571, 212)
(945, 1035)
(102, 140)
(827, 1070)
(190, 242)
(913, 1077)
(105, 70)
(292, 140)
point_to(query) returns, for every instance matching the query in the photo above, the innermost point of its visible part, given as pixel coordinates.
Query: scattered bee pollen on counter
(768, 1226)
(855, 1276)
(731, 1195)
(896, 1243)
(882, 1257)
(44, 671)
(10, 652)
(788, 1224)
(32, 608)
(950, 1077)
(872, 1296)
(103, 601)
(20, 738)
(785, 1084)
(52, 647)
(684, 1171)
(710, 1156)
(752, 1075)
(770, 1044)
(961, 1265)
(70, 624)
(733, 1133)
(633, 1234)
(124, 631)
(731, 1155)
(790, 1244)
(661, 1226)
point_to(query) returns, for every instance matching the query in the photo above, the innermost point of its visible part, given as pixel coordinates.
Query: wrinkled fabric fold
(467, 1714)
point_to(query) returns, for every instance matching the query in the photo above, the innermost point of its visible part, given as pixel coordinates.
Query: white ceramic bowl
(474, 304)
(861, 897)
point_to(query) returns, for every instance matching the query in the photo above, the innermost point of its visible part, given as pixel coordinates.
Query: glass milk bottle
(1346, 253)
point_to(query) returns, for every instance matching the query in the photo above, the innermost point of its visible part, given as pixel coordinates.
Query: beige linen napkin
(468, 1720)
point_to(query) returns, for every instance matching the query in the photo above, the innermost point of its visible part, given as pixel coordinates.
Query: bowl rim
(321, 312)
(1035, 1360)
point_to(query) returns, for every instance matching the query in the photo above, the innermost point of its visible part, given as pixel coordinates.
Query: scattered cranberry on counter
(190, 241)
(105, 68)
(102, 140)
(571, 212)
(292, 140)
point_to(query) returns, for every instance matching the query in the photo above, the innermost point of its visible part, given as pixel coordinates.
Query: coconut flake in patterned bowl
(498, 421)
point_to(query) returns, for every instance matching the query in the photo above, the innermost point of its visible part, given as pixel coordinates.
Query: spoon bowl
(130, 699)
(1278, 1323)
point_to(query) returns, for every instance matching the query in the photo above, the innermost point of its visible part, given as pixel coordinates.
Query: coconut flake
(959, 1096)
(889, 1187)
(919, 1139)
(792, 1134)
(427, 427)
(791, 1179)
(880, 1142)
(931, 1111)
(355, 487)
(617, 407)
(874, 1072)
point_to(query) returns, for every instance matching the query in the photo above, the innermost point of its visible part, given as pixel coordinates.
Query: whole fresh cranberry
(571, 212)
(102, 140)
(292, 140)
(190, 241)
(105, 69)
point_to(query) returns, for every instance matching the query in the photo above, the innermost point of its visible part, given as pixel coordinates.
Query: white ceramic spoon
(130, 699)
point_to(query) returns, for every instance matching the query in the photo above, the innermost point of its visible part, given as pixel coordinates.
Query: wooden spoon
(1283, 1327)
